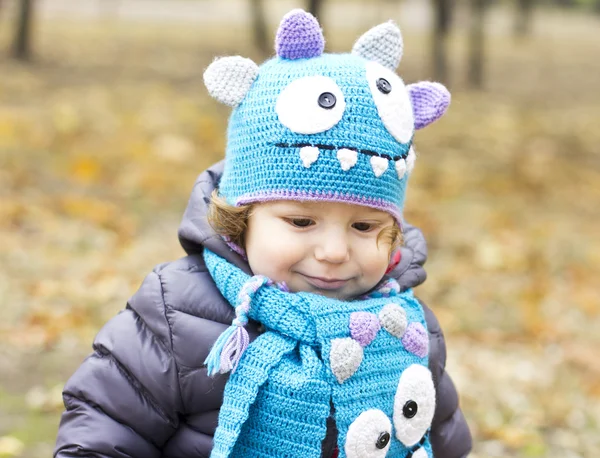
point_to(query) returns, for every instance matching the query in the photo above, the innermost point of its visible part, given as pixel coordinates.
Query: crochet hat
(312, 126)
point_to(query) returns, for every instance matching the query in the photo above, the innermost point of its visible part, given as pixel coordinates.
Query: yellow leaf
(65, 119)
(173, 148)
(10, 446)
(8, 131)
(89, 209)
(36, 398)
(86, 170)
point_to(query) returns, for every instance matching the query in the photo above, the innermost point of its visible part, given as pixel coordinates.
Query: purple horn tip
(299, 36)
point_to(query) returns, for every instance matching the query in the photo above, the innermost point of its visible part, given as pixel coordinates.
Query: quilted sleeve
(450, 435)
(124, 399)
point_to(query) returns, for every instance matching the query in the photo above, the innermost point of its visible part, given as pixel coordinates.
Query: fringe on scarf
(227, 351)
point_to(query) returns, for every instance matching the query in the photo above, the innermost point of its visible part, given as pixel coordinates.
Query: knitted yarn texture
(365, 360)
(313, 126)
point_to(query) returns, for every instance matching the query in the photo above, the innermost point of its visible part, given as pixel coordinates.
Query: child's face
(324, 248)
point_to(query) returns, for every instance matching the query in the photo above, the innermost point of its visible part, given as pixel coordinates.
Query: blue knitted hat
(312, 126)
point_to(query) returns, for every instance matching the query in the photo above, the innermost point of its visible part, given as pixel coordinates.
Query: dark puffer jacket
(144, 392)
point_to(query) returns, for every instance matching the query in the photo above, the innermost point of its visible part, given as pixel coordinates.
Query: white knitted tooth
(379, 165)
(410, 160)
(347, 158)
(309, 154)
(400, 168)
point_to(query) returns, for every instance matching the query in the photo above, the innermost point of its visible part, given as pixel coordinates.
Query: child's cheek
(278, 257)
(373, 258)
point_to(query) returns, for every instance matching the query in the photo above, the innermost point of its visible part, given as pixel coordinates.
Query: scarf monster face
(365, 360)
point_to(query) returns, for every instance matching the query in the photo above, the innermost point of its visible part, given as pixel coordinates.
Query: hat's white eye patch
(369, 435)
(310, 105)
(392, 101)
(414, 404)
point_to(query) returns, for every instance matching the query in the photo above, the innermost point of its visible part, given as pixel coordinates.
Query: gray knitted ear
(228, 79)
(382, 44)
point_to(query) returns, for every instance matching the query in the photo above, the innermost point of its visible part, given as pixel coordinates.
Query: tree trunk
(476, 44)
(22, 40)
(523, 18)
(315, 8)
(597, 6)
(259, 26)
(442, 11)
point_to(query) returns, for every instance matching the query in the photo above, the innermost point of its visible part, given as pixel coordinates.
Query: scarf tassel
(227, 350)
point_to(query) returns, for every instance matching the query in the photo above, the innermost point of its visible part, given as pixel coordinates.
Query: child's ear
(228, 79)
(429, 101)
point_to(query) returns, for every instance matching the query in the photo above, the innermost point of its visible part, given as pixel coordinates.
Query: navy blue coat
(144, 391)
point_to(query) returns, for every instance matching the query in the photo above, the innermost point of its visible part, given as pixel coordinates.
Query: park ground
(103, 134)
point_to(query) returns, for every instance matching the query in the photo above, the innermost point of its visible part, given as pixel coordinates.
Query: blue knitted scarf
(364, 360)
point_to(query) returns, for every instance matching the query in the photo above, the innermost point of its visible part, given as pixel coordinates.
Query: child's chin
(340, 295)
(347, 293)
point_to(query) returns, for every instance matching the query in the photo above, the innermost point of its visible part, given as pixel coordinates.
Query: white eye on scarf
(310, 105)
(392, 101)
(369, 435)
(414, 404)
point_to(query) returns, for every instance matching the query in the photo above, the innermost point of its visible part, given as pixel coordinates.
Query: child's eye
(300, 222)
(363, 227)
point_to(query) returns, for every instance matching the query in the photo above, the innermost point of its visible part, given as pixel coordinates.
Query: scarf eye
(414, 404)
(369, 435)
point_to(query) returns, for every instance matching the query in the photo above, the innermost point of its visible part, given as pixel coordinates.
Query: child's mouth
(325, 283)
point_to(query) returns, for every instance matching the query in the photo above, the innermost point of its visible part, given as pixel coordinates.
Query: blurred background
(105, 123)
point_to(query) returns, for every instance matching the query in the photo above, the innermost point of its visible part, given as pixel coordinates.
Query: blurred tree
(476, 44)
(315, 8)
(22, 40)
(443, 18)
(259, 25)
(597, 6)
(523, 18)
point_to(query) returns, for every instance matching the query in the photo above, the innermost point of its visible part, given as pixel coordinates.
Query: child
(305, 216)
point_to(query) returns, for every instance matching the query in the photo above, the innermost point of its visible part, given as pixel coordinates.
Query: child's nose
(334, 249)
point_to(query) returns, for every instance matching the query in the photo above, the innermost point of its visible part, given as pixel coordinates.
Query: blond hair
(232, 222)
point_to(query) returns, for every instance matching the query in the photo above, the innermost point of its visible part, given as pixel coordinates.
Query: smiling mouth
(331, 284)
(348, 157)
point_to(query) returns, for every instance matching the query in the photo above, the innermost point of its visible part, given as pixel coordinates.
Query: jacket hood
(195, 233)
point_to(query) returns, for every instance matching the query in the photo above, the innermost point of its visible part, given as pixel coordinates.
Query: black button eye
(383, 440)
(384, 86)
(327, 100)
(410, 409)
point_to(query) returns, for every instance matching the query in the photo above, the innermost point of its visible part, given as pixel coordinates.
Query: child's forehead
(325, 208)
